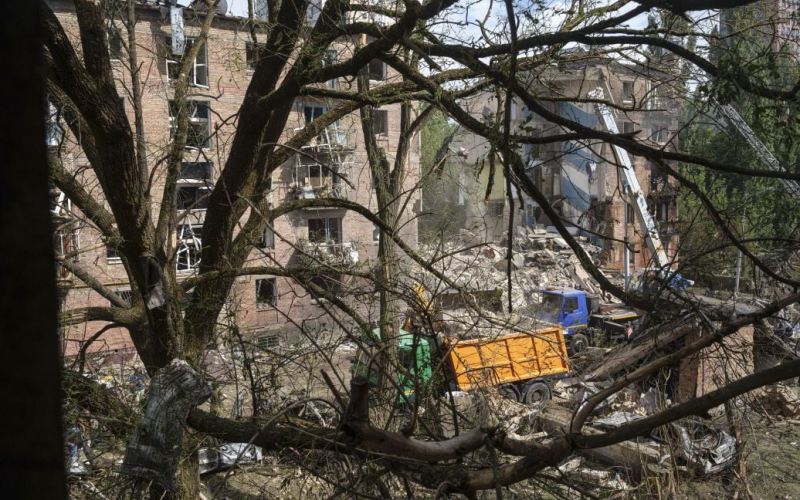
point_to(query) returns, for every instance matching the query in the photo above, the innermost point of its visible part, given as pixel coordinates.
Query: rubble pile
(781, 400)
(539, 259)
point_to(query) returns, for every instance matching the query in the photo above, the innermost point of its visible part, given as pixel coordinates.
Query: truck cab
(581, 316)
(566, 307)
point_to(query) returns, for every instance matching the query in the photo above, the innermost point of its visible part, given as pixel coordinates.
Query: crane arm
(735, 119)
(643, 217)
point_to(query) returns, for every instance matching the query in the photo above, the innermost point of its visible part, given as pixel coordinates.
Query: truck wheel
(578, 343)
(537, 394)
(511, 392)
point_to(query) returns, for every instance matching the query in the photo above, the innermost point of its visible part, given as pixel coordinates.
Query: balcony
(328, 252)
(320, 181)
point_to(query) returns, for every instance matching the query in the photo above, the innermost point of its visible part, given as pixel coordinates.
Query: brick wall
(228, 78)
(716, 366)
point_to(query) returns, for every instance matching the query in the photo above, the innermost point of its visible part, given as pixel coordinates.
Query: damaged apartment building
(580, 179)
(268, 308)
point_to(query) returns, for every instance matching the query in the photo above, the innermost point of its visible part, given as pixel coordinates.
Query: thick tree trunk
(31, 450)
(155, 451)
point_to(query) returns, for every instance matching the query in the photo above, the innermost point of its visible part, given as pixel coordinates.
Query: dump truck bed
(515, 357)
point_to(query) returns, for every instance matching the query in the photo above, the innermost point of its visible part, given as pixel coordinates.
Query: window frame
(173, 63)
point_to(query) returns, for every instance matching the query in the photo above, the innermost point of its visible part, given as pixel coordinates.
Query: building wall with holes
(228, 76)
(580, 180)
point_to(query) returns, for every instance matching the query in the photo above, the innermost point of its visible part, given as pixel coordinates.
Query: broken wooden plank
(622, 357)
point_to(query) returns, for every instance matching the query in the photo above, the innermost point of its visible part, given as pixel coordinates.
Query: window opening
(329, 59)
(375, 70)
(114, 43)
(329, 282)
(267, 239)
(194, 186)
(380, 122)
(627, 91)
(254, 52)
(627, 127)
(266, 292)
(325, 231)
(199, 134)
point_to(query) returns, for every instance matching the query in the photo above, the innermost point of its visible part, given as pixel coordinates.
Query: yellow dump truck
(521, 364)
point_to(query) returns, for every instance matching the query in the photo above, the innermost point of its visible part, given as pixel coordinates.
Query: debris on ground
(782, 400)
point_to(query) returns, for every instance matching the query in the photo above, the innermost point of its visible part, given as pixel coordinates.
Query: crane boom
(735, 119)
(643, 217)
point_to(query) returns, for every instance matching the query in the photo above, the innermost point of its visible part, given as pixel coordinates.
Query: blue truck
(583, 318)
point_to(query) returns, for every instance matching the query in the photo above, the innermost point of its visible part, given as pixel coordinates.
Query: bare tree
(173, 319)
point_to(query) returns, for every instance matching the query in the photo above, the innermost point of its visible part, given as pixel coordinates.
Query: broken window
(627, 91)
(380, 122)
(375, 70)
(114, 43)
(325, 231)
(254, 52)
(189, 247)
(266, 292)
(329, 59)
(194, 185)
(198, 73)
(199, 134)
(267, 239)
